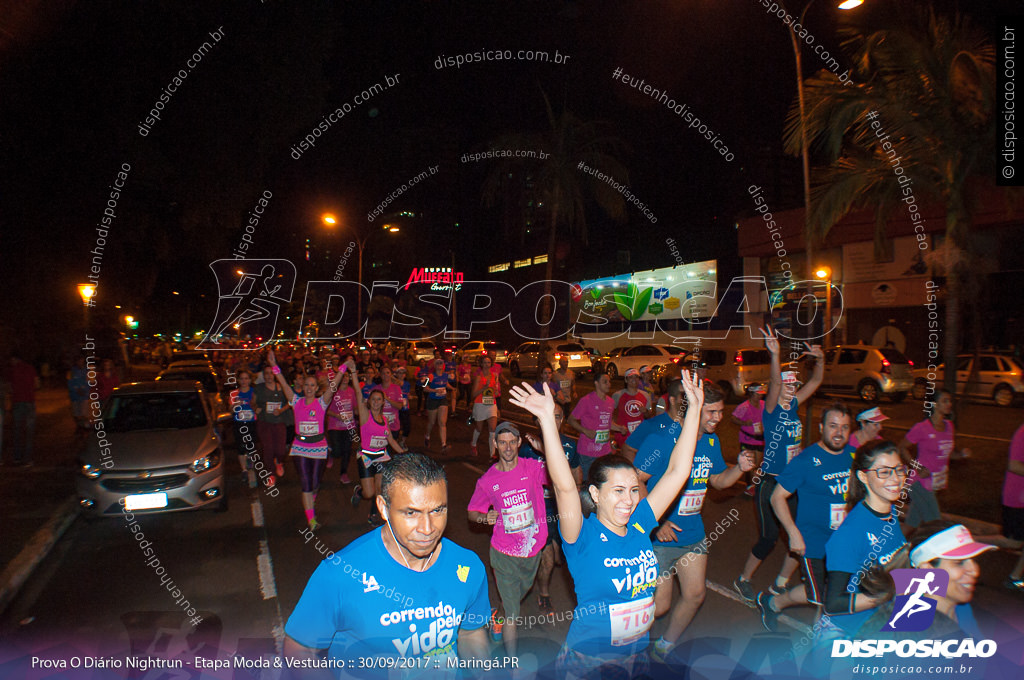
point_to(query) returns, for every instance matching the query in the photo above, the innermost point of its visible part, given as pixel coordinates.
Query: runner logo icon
(914, 610)
(250, 296)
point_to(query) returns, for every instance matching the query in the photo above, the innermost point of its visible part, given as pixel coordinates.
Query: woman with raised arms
(609, 553)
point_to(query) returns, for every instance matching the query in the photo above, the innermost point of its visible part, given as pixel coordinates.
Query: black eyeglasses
(886, 472)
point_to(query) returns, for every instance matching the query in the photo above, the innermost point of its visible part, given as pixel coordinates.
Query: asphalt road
(245, 569)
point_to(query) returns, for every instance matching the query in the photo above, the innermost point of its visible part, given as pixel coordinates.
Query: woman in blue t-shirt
(609, 553)
(870, 534)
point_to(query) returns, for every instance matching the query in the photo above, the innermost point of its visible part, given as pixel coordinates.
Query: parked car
(416, 350)
(161, 452)
(527, 359)
(213, 387)
(621, 359)
(734, 369)
(474, 348)
(868, 372)
(999, 378)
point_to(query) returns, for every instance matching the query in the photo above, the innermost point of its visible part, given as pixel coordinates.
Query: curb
(35, 551)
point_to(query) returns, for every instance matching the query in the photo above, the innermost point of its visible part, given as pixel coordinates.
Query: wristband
(276, 370)
(344, 367)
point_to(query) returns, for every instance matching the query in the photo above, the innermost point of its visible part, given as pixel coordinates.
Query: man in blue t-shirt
(534, 448)
(821, 475)
(783, 437)
(680, 543)
(400, 591)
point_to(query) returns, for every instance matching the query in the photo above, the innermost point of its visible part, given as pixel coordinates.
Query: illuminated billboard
(687, 292)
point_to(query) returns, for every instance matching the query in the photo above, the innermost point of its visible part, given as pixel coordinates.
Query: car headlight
(90, 471)
(211, 460)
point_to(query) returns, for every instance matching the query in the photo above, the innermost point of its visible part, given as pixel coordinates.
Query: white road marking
(257, 513)
(474, 468)
(266, 568)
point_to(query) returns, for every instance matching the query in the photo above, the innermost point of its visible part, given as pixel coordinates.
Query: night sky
(78, 79)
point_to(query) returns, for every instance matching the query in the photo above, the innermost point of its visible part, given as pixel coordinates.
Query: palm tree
(930, 86)
(563, 188)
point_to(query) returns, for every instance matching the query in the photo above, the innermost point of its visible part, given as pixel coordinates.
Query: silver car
(158, 451)
(527, 359)
(998, 377)
(867, 372)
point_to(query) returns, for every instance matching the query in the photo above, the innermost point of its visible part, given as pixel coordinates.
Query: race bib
(836, 515)
(631, 620)
(518, 518)
(939, 479)
(600, 436)
(758, 427)
(245, 414)
(632, 426)
(378, 441)
(792, 451)
(691, 502)
(487, 401)
(307, 429)
(564, 384)
(440, 391)
(273, 407)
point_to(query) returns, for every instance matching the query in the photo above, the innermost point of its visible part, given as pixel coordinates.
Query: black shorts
(1013, 523)
(434, 404)
(374, 469)
(813, 571)
(551, 512)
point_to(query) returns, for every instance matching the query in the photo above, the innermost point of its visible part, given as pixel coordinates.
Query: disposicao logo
(914, 611)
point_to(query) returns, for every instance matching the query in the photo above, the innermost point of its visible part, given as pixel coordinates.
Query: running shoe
(749, 490)
(1016, 585)
(330, 463)
(344, 479)
(252, 481)
(271, 481)
(313, 524)
(472, 449)
(445, 448)
(280, 470)
(357, 495)
(742, 586)
(660, 650)
(544, 604)
(426, 442)
(775, 590)
(469, 421)
(495, 626)
(769, 617)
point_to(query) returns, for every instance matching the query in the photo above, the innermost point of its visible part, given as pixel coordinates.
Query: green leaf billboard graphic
(632, 303)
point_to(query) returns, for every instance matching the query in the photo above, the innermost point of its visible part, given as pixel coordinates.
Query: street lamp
(330, 219)
(825, 274)
(804, 156)
(86, 291)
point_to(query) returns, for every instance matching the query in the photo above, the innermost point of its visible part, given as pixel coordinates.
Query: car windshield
(893, 356)
(139, 412)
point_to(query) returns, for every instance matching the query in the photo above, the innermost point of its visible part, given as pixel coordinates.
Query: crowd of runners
(620, 501)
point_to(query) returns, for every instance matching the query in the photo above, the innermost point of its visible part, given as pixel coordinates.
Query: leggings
(340, 444)
(310, 472)
(767, 522)
(405, 421)
(273, 437)
(464, 393)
